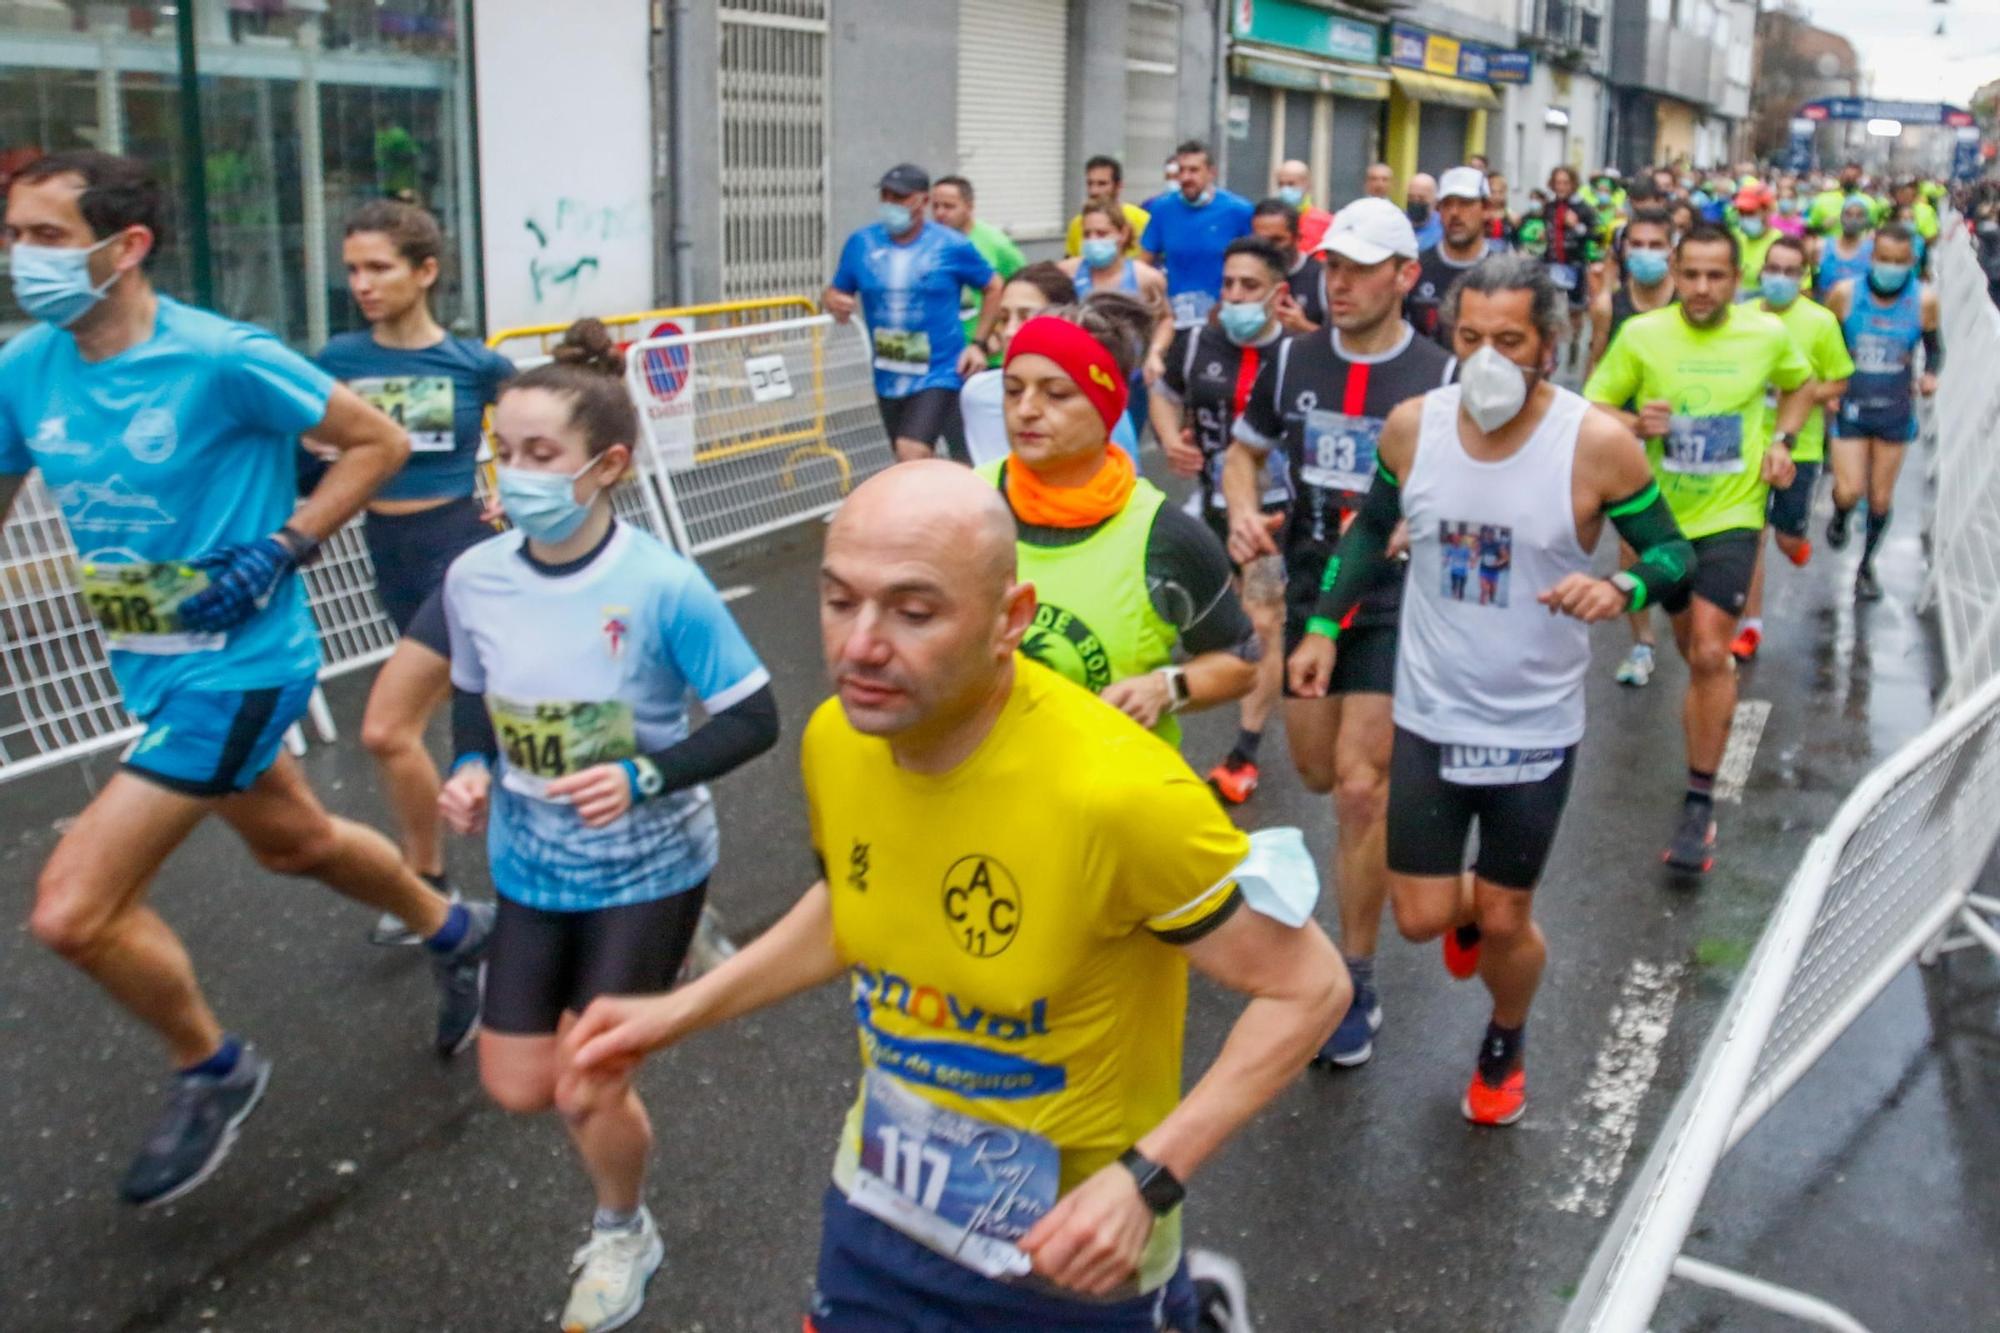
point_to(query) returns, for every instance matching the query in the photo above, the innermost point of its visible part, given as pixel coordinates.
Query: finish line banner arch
(1808, 118)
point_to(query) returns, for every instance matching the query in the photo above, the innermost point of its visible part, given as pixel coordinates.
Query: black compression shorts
(928, 415)
(1724, 563)
(544, 963)
(1363, 663)
(411, 552)
(1429, 817)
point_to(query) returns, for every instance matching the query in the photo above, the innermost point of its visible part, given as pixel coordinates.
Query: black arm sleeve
(1188, 577)
(1361, 561)
(729, 739)
(471, 727)
(1666, 558)
(1933, 352)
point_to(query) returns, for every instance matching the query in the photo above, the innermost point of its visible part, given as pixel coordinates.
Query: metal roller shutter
(1152, 89)
(1013, 112)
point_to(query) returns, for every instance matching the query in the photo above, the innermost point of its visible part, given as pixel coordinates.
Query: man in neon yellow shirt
(1698, 371)
(1016, 879)
(1104, 178)
(1754, 234)
(1816, 331)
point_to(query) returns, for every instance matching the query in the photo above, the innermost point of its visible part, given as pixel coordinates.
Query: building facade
(1680, 75)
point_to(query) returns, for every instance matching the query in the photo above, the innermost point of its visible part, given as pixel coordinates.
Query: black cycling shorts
(1364, 662)
(928, 415)
(545, 963)
(1724, 564)
(411, 552)
(1430, 817)
(1790, 509)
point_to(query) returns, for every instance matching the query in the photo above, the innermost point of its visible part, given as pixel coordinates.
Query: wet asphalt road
(377, 1188)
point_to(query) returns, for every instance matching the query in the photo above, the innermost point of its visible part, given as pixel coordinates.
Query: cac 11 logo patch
(982, 905)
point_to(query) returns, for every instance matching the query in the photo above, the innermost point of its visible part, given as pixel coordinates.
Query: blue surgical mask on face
(52, 282)
(1887, 278)
(1291, 194)
(1242, 320)
(1779, 292)
(895, 218)
(1752, 227)
(544, 504)
(1646, 266)
(1100, 252)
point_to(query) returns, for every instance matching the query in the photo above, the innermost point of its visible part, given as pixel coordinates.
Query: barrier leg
(1976, 925)
(1768, 1295)
(322, 717)
(295, 741)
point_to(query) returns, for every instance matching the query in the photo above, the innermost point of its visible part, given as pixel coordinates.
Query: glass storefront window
(309, 108)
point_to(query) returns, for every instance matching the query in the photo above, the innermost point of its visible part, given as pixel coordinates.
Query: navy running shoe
(461, 981)
(204, 1113)
(1353, 1042)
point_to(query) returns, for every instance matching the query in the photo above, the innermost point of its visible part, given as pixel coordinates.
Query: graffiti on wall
(570, 239)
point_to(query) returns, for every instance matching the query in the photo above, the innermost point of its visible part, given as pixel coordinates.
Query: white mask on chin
(1492, 388)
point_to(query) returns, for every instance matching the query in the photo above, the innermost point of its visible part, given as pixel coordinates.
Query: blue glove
(241, 578)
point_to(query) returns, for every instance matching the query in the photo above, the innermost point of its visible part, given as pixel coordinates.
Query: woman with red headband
(1122, 577)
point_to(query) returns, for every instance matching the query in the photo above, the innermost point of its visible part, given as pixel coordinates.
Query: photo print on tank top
(1476, 560)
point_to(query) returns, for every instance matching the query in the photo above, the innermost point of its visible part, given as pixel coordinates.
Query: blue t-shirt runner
(1190, 238)
(157, 456)
(439, 394)
(909, 299)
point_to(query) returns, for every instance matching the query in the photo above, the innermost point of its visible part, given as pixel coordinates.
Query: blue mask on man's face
(52, 282)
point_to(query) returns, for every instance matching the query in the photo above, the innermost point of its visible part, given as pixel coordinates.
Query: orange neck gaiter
(1035, 501)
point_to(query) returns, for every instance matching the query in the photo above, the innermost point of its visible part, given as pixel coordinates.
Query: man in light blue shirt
(168, 436)
(903, 273)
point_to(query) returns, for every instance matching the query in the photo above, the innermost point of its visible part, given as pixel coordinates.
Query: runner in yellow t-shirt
(1016, 878)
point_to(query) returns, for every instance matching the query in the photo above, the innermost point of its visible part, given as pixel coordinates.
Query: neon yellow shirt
(1816, 332)
(1752, 250)
(1010, 925)
(1134, 214)
(1709, 464)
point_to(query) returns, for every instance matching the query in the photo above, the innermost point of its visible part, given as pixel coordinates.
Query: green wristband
(1320, 625)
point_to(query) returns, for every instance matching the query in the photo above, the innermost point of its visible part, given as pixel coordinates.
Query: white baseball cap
(1463, 183)
(1369, 231)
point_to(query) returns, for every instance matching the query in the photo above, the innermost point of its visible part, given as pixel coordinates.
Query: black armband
(1361, 559)
(1933, 352)
(730, 738)
(1666, 558)
(472, 735)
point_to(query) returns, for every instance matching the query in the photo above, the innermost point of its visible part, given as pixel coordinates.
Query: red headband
(1081, 357)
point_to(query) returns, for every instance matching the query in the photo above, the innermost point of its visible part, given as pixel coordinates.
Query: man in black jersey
(1462, 210)
(1322, 400)
(1301, 306)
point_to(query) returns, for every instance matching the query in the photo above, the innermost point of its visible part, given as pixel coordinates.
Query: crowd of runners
(1389, 538)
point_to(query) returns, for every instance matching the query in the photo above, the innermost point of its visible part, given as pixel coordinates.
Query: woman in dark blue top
(438, 388)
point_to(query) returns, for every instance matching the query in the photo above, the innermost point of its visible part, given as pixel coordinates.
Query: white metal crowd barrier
(1888, 882)
(753, 429)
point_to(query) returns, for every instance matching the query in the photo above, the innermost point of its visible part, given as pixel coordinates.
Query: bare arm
(794, 955)
(989, 310)
(1827, 392)
(1600, 330)
(370, 449)
(1794, 406)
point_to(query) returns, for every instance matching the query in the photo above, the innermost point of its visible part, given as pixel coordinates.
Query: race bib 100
(549, 740)
(1340, 451)
(1703, 446)
(962, 1186)
(1495, 766)
(138, 604)
(902, 351)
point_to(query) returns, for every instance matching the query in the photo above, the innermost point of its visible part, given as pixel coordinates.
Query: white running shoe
(710, 948)
(1637, 668)
(612, 1270)
(1218, 1285)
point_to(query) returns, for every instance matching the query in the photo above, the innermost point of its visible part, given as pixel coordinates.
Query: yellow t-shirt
(1135, 215)
(1010, 925)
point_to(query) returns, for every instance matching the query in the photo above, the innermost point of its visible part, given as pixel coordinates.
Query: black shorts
(411, 552)
(1429, 817)
(928, 415)
(1366, 660)
(1724, 563)
(546, 963)
(1790, 510)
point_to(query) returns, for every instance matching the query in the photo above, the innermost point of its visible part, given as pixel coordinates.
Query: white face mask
(1492, 389)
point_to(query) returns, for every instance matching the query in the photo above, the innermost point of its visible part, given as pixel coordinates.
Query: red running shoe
(1486, 1104)
(1234, 780)
(1744, 647)
(1801, 556)
(1461, 952)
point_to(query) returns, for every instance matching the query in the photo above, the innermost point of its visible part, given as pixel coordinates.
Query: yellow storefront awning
(1439, 90)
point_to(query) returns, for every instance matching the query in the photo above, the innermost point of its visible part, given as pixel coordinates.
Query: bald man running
(1294, 183)
(1015, 880)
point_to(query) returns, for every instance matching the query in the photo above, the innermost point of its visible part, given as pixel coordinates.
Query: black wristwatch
(1788, 438)
(1157, 1185)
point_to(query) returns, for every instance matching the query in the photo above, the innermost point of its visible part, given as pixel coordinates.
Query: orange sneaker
(1461, 956)
(1486, 1104)
(1745, 645)
(1234, 780)
(1802, 555)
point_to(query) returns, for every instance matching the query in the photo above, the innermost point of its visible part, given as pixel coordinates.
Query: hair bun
(588, 345)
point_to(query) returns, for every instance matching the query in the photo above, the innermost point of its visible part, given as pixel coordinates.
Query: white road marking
(1745, 730)
(740, 590)
(1626, 1065)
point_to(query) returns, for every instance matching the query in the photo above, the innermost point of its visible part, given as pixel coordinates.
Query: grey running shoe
(612, 1270)
(1867, 587)
(200, 1125)
(1692, 851)
(389, 930)
(710, 948)
(461, 981)
(1836, 529)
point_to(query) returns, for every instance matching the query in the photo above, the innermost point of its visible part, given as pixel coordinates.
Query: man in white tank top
(1505, 481)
